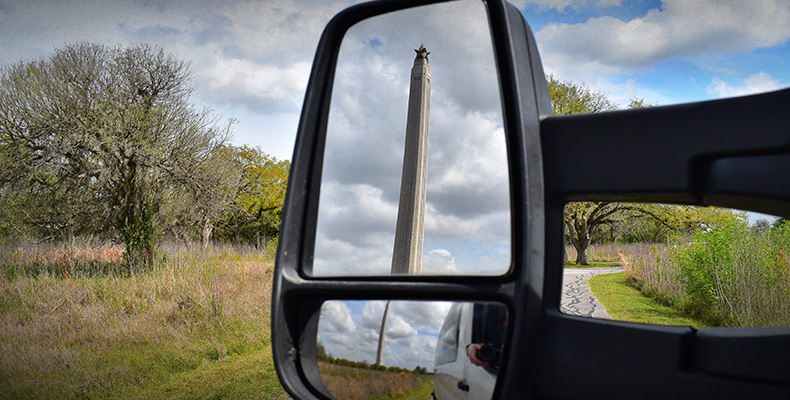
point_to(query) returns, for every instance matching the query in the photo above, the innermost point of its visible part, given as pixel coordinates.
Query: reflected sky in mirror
(467, 218)
(350, 330)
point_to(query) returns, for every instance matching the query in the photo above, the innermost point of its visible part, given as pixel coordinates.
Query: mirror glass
(676, 265)
(429, 71)
(452, 349)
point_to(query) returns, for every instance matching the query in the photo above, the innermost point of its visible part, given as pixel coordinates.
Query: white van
(456, 377)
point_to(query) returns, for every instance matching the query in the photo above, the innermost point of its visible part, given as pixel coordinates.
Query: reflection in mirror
(397, 106)
(676, 265)
(452, 349)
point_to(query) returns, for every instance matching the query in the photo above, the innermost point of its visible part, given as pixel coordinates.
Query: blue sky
(666, 51)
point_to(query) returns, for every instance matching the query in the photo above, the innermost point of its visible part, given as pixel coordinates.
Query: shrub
(732, 276)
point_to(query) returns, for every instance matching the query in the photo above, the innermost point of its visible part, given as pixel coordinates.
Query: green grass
(195, 327)
(593, 264)
(247, 376)
(421, 393)
(625, 303)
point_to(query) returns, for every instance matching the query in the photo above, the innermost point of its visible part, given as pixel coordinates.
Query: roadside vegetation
(363, 382)
(197, 325)
(135, 240)
(357, 380)
(732, 274)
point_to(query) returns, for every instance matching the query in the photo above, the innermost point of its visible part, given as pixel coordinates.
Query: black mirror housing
(714, 157)
(297, 297)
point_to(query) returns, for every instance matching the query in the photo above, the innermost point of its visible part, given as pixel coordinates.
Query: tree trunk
(137, 226)
(205, 232)
(581, 251)
(237, 231)
(579, 236)
(580, 239)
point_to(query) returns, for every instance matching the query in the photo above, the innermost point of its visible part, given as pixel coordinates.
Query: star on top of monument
(422, 52)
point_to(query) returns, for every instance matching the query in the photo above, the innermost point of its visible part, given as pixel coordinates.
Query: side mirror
(728, 152)
(300, 290)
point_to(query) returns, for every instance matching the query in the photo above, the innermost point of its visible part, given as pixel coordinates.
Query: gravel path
(576, 296)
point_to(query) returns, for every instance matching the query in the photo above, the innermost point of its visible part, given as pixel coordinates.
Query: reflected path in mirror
(450, 349)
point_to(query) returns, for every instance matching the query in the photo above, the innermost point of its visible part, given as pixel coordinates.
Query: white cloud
(399, 330)
(757, 83)
(678, 29)
(562, 5)
(439, 262)
(336, 318)
(423, 315)
(236, 81)
(250, 58)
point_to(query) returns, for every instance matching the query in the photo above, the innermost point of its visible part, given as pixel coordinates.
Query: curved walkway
(577, 299)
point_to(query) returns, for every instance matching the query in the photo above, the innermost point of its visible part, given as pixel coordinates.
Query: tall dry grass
(349, 383)
(72, 333)
(61, 259)
(728, 277)
(604, 252)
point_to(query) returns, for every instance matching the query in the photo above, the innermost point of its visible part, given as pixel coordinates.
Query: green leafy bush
(734, 276)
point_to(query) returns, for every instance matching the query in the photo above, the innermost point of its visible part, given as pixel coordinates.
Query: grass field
(625, 303)
(349, 383)
(594, 264)
(196, 326)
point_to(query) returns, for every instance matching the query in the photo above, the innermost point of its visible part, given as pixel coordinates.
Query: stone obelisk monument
(407, 253)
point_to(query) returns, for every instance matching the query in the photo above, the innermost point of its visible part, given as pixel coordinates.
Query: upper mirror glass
(410, 349)
(415, 146)
(676, 265)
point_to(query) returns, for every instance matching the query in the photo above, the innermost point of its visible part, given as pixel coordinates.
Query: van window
(447, 345)
(489, 323)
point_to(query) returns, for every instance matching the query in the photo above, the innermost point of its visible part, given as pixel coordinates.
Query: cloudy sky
(467, 213)
(350, 330)
(251, 60)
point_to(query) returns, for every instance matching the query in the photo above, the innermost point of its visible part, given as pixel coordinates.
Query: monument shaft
(407, 253)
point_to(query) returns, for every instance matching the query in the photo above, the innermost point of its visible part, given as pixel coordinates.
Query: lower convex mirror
(388, 349)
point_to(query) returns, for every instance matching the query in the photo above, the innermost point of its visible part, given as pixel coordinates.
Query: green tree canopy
(254, 215)
(569, 98)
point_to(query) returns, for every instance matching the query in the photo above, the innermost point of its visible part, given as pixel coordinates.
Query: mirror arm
(746, 183)
(681, 140)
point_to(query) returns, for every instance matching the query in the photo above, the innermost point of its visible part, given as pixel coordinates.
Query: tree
(200, 205)
(639, 103)
(581, 221)
(258, 202)
(569, 98)
(105, 135)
